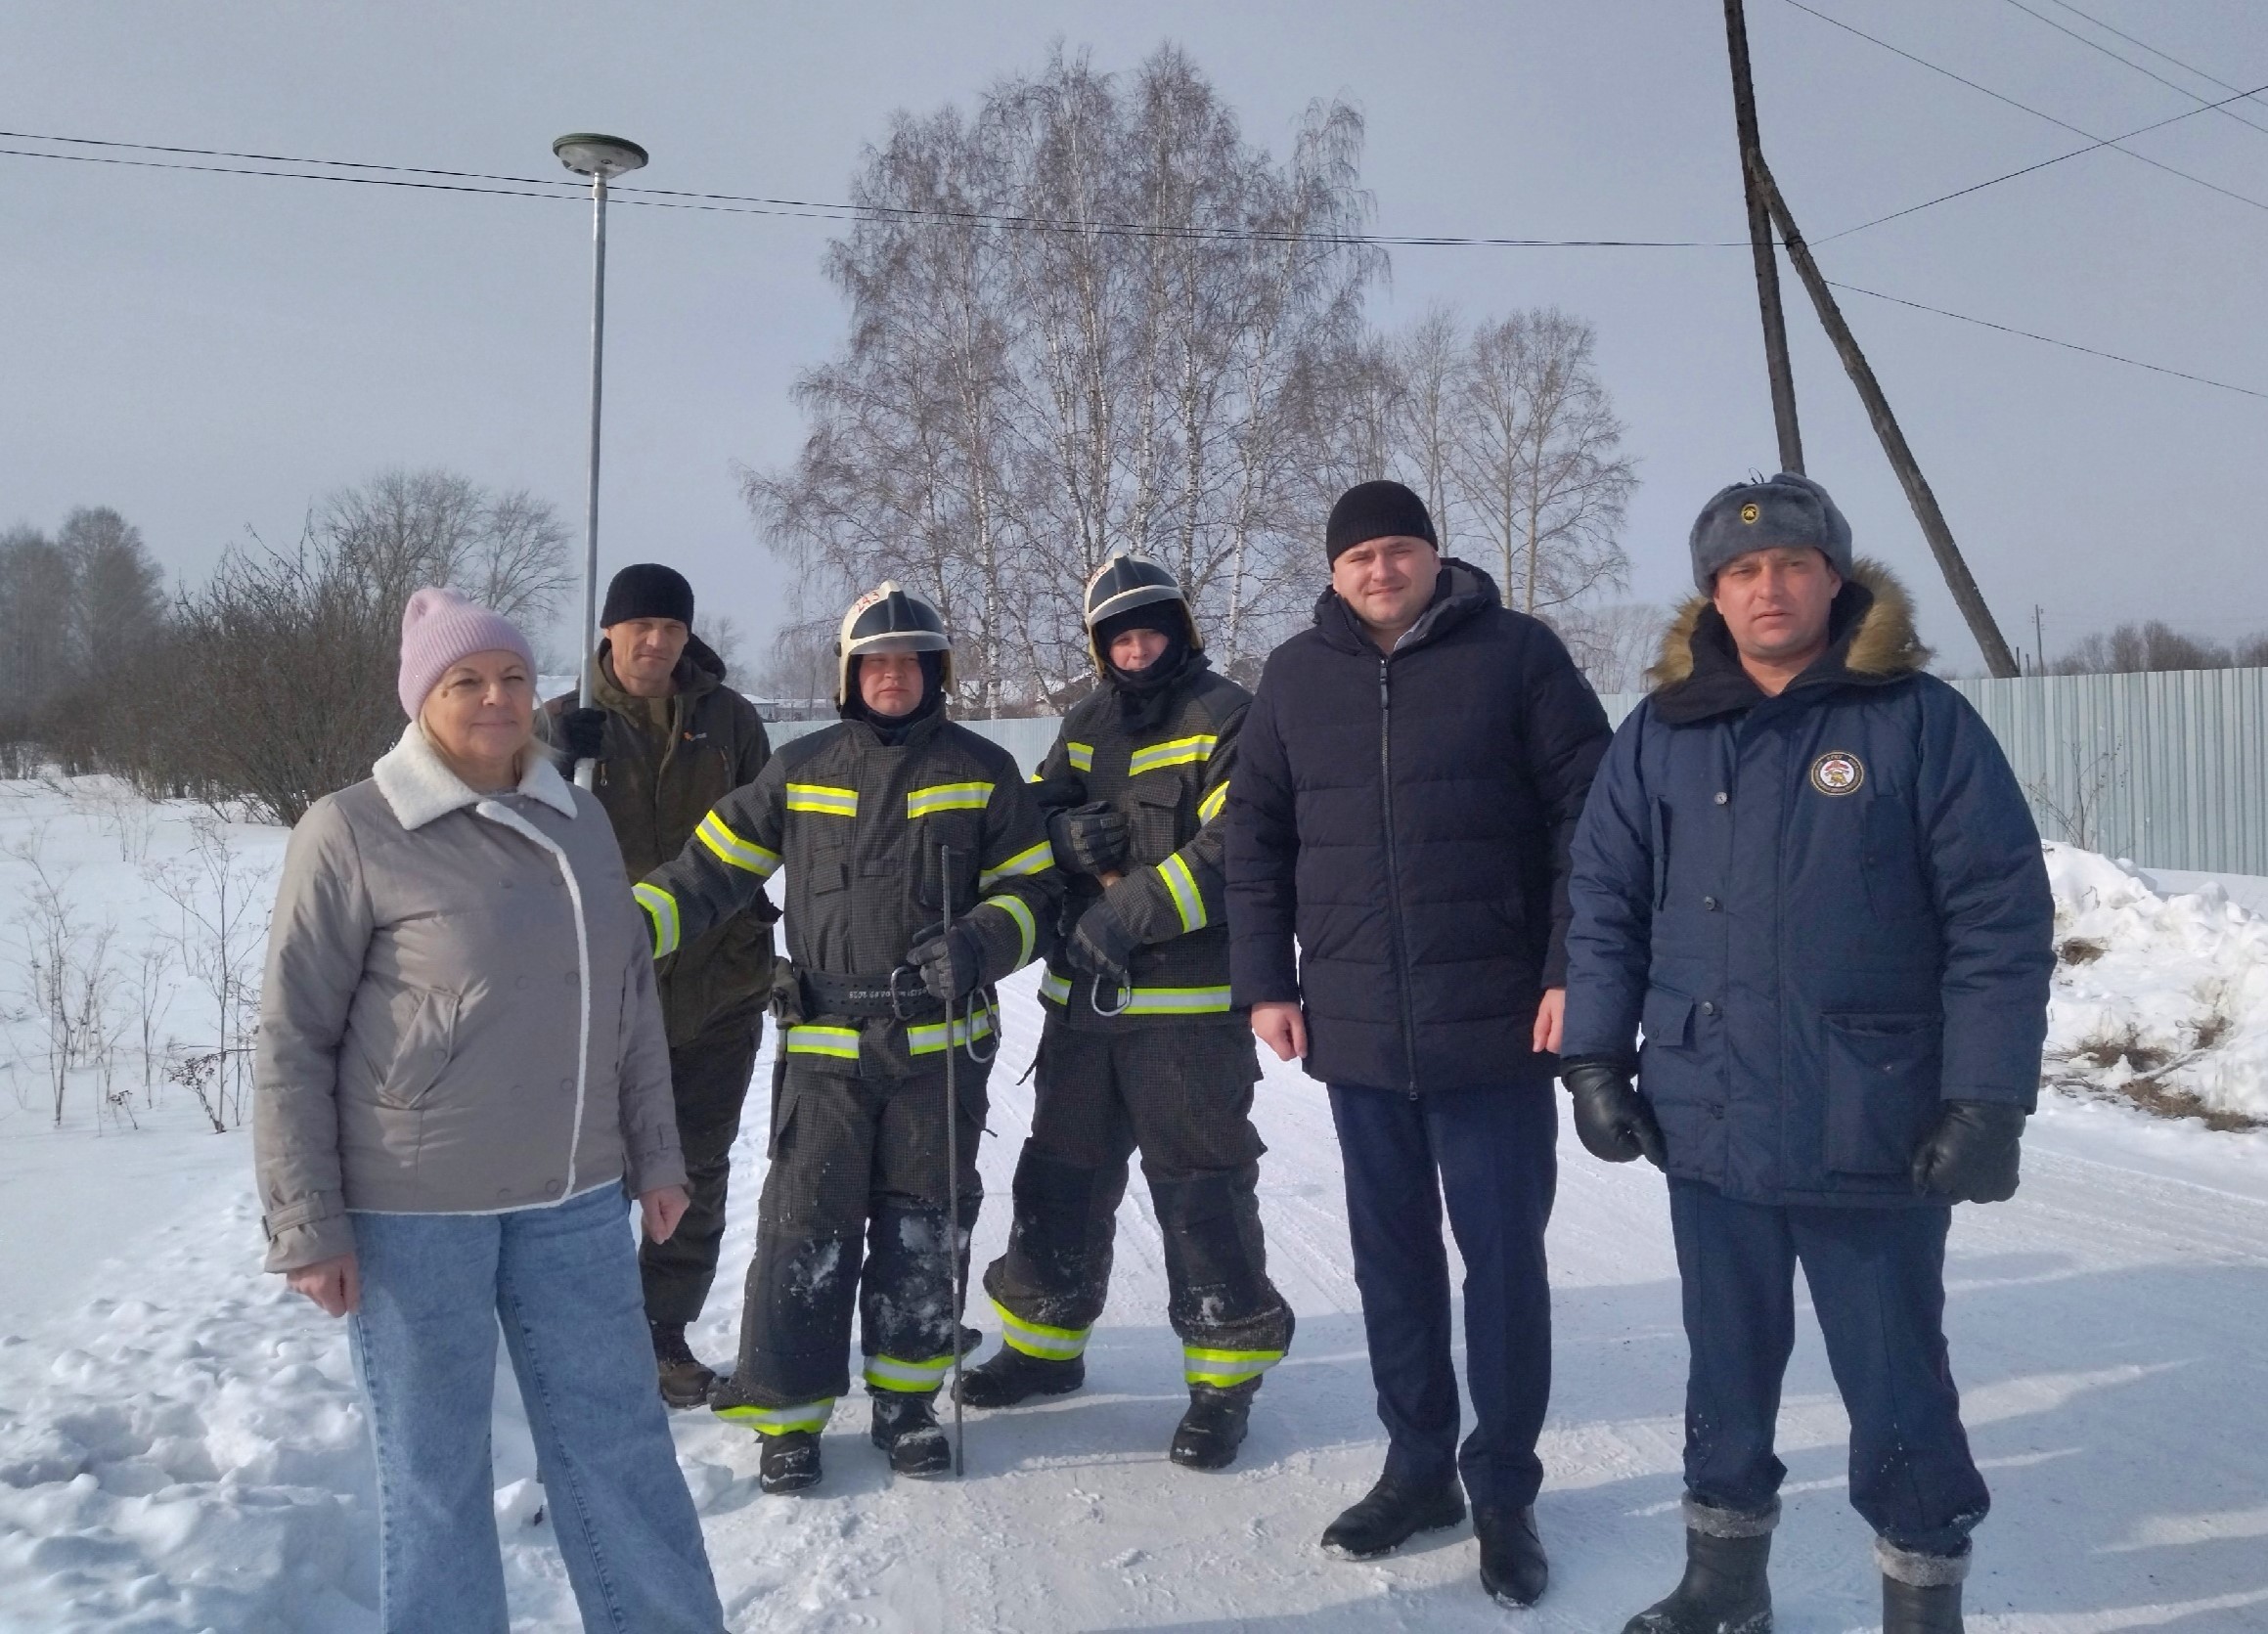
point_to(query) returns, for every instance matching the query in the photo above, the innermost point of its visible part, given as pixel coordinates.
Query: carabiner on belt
(903, 1006)
(1094, 998)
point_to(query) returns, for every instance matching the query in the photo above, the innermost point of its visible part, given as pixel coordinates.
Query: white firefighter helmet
(890, 619)
(1124, 583)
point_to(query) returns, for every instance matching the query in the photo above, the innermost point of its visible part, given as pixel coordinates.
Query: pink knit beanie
(440, 628)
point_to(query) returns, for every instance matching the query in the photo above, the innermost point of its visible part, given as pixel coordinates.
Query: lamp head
(588, 153)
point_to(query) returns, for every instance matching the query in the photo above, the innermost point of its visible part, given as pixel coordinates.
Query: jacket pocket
(429, 1039)
(1153, 827)
(1666, 1019)
(1881, 1089)
(1659, 813)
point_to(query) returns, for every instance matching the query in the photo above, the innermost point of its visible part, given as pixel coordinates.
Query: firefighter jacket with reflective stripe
(1170, 781)
(856, 824)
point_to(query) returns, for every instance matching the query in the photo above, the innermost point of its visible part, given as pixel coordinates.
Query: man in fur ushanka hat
(1808, 875)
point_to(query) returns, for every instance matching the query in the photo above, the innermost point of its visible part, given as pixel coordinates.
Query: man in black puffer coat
(1411, 777)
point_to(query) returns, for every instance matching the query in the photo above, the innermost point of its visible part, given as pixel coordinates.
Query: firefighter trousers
(1180, 1093)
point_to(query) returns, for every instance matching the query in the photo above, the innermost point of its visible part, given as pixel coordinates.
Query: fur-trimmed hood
(1872, 639)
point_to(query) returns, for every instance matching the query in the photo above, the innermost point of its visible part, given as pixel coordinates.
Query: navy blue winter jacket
(1407, 819)
(1828, 909)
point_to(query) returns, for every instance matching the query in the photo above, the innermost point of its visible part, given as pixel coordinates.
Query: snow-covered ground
(180, 1446)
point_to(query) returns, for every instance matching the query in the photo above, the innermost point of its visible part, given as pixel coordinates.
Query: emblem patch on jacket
(1837, 772)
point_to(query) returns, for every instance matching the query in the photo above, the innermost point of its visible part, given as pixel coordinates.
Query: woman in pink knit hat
(462, 1082)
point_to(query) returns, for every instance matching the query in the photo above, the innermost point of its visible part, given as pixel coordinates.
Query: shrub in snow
(2158, 999)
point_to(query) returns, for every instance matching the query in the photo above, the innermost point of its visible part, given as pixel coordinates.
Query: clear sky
(208, 352)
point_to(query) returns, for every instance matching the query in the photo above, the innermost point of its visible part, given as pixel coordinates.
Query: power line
(2145, 45)
(2011, 175)
(2051, 340)
(2152, 74)
(2026, 107)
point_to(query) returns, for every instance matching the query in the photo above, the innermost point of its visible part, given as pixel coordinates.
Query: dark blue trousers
(1878, 1284)
(1490, 1154)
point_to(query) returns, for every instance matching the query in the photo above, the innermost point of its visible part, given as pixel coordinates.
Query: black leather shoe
(905, 1427)
(684, 1381)
(1213, 1429)
(1009, 1377)
(791, 1462)
(1513, 1566)
(1389, 1515)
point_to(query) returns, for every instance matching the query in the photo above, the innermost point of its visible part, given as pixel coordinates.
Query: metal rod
(1935, 528)
(585, 769)
(952, 1176)
(1744, 107)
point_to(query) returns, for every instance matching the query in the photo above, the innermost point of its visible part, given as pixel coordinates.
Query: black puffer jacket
(1407, 818)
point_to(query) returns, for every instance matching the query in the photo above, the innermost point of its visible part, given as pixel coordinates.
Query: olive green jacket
(668, 761)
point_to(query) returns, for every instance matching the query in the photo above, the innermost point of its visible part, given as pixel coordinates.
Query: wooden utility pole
(1965, 596)
(1744, 107)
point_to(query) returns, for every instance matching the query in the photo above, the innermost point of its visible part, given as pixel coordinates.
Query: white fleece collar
(419, 786)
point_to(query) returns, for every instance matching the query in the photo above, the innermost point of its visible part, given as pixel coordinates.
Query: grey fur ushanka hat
(1788, 509)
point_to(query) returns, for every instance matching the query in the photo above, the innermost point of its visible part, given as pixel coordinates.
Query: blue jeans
(565, 1282)
(1491, 1155)
(1878, 1284)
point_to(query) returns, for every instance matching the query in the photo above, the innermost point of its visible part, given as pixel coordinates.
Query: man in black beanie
(1411, 772)
(671, 739)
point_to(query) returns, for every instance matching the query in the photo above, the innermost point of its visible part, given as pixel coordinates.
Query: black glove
(1971, 1155)
(1611, 1117)
(951, 962)
(1101, 943)
(1090, 839)
(582, 733)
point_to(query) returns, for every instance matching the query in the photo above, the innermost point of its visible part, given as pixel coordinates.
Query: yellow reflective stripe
(1038, 860)
(842, 1042)
(1178, 1002)
(1182, 751)
(1226, 1369)
(778, 1421)
(732, 849)
(1182, 885)
(819, 798)
(1209, 807)
(948, 797)
(1056, 987)
(661, 908)
(1081, 756)
(928, 1038)
(1036, 1339)
(1026, 927)
(888, 1373)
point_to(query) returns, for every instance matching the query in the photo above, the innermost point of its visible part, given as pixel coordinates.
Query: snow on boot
(1724, 1589)
(1008, 1375)
(685, 1382)
(791, 1461)
(1513, 1565)
(1921, 1594)
(905, 1427)
(1389, 1515)
(1213, 1429)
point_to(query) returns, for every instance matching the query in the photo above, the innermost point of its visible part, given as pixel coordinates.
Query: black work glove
(951, 962)
(1611, 1117)
(1090, 839)
(582, 733)
(1101, 943)
(1970, 1157)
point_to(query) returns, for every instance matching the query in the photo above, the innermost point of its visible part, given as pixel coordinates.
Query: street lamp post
(598, 157)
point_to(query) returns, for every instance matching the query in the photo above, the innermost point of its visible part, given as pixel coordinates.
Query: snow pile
(2161, 999)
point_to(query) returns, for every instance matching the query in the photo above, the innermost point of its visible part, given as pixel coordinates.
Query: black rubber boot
(1389, 1515)
(905, 1427)
(1010, 1376)
(1725, 1588)
(1513, 1565)
(684, 1381)
(791, 1461)
(1921, 1594)
(1213, 1429)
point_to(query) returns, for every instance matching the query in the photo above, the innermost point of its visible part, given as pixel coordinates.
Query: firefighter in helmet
(1142, 1050)
(919, 873)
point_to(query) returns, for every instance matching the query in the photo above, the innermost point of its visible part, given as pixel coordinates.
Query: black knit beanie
(1376, 510)
(647, 589)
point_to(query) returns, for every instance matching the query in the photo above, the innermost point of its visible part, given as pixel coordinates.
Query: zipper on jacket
(1393, 933)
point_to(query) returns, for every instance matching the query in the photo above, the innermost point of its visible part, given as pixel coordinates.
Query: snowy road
(185, 1452)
